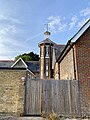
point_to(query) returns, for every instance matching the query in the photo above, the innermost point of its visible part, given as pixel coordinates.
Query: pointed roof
(33, 66)
(47, 40)
(20, 59)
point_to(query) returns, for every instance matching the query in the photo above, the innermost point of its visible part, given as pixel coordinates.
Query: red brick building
(74, 63)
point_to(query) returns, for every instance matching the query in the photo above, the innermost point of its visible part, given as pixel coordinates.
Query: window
(46, 67)
(46, 73)
(47, 51)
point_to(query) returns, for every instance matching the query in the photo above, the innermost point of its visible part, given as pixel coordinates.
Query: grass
(51, 116)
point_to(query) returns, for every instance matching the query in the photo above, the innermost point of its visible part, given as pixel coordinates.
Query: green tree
(28, 57)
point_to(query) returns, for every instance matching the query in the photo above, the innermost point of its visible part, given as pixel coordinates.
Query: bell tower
(46, 51)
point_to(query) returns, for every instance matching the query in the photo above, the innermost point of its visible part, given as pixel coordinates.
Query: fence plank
(33, 97)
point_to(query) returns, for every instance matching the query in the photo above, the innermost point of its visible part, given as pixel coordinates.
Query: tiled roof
(58, 49)
(33, 65)
(47, 40)
(6, 63)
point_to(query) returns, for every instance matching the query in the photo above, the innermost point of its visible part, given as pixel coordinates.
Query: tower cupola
(46, 51)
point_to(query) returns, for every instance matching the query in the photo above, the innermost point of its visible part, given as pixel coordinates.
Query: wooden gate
(59, 96)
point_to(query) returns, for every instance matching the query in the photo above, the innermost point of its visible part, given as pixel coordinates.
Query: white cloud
(9, 19)
(8, 29)
(61, 28)
(73, 22)
(56, 24)
(82, 22)
(85, 12)
(9, 45)
(9, 48)
(80, 19)
(85, 16)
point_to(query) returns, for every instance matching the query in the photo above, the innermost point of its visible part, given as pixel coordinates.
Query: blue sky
(22, 23)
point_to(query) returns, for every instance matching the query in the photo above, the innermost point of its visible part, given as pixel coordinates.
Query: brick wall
(12, 92)
(67, 67)
(82, 48)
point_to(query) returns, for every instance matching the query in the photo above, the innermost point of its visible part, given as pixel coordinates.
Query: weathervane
(47, 33)
(47, 26)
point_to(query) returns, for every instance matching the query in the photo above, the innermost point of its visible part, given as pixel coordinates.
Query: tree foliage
(28, 57)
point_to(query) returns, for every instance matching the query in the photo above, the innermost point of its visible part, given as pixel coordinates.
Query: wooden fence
(59, 96)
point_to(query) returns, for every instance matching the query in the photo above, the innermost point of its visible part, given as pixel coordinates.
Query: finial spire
(47, 33)
(47, 25)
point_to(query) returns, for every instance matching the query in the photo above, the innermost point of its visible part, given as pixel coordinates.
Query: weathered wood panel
(59, 96)
(75, 101)
(33, 97)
